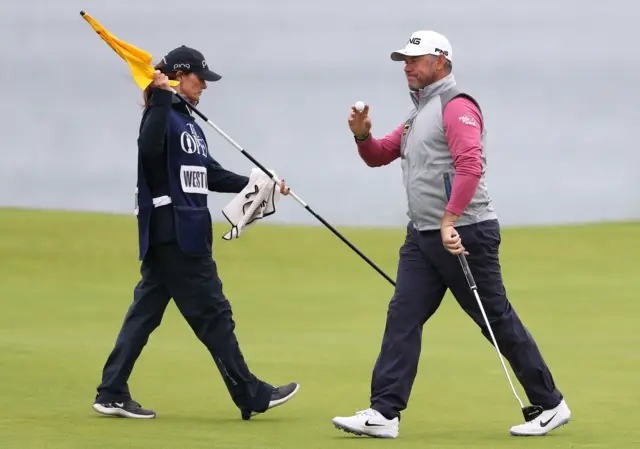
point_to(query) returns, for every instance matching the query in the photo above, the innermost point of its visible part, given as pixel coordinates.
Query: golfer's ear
(443, 62)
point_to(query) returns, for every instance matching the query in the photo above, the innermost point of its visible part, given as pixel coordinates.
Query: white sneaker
(368, 422)
(545, 423)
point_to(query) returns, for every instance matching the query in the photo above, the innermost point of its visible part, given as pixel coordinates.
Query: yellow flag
(139, 61)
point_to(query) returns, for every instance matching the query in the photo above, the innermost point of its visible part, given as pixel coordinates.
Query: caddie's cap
(188, 60)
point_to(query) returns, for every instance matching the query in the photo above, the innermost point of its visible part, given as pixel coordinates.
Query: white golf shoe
(368, 422)
(545, 423)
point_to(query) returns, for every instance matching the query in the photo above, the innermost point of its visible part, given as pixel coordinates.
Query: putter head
(531, 412)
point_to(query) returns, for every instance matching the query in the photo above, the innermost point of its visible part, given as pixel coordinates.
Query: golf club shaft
(474, 289)
(277, 181)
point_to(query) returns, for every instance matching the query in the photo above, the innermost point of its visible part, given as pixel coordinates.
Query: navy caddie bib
(187, 154)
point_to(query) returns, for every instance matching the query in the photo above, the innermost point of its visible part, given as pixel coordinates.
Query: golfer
(175, 175)
(444, 134)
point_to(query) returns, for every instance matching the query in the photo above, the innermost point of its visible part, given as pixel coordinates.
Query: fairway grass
(308, 309)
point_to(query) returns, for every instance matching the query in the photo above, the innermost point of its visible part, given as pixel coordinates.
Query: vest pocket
(193, 229)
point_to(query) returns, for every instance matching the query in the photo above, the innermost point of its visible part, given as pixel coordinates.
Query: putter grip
(461, 257)
(467, 271)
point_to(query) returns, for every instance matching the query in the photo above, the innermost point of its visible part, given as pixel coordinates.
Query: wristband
(361, 139)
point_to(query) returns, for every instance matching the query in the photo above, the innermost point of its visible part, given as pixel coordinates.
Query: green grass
(312, 311)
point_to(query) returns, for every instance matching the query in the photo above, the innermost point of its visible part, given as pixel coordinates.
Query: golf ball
(359, 106)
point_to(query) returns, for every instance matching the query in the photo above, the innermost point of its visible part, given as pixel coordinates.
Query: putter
(529, 412)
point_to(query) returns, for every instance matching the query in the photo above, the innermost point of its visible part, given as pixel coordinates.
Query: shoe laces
(367, 412)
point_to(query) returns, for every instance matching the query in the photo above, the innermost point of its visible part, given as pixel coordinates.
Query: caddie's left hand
(284, 190)
(451, 240)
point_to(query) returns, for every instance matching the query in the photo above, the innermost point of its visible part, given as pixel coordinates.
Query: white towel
(257, 200)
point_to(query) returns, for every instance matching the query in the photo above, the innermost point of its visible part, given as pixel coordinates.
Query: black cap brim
(208, 75)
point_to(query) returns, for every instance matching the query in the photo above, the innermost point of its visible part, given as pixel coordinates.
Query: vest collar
(428, 92)
(180, 106)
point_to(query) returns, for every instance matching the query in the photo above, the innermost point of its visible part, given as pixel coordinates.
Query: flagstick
(111, 41)
(277, 181)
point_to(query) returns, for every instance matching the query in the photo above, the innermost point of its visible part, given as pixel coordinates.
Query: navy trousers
(194, 285)
(425, 271)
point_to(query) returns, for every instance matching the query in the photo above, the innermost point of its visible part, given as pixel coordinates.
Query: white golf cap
(424, 43)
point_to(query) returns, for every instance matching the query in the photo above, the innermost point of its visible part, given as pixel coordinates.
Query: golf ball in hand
(359, 106)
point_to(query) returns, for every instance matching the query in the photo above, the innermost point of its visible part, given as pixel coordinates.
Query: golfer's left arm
(463, 127)
(222, 180)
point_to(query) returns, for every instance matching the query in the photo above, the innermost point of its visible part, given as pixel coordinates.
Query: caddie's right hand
(160, 81)
(359, 122)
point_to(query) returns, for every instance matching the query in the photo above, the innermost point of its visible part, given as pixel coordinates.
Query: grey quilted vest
(425, 158)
